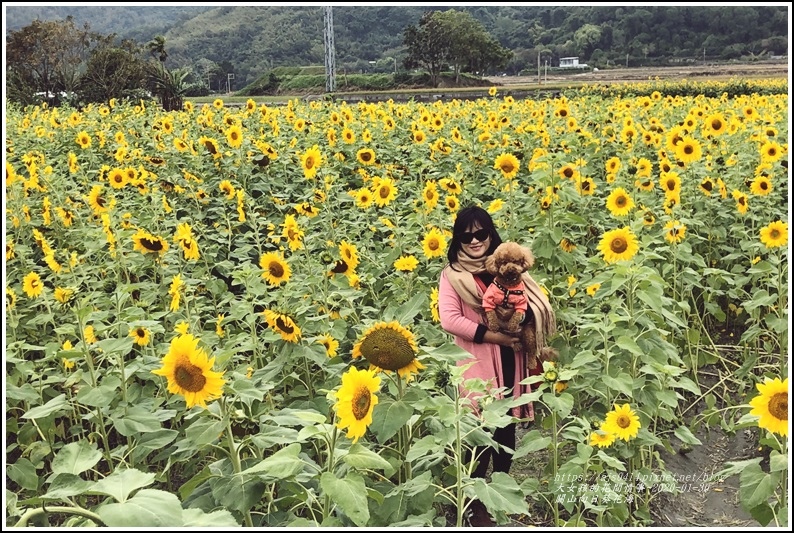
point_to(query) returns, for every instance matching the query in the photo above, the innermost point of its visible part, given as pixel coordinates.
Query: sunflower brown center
(309, 163)
(275, 269)
(432, 244)
(670, 185)
(361, 402)
(623, 421)
(778, 406)
(774, 234)
(387, 348)
(189, 377)
(620, 201)
(618, 245)
(284, 326)
(366, 157)
(507, 166)
(689, 149)
(383, 192)
(140, 333)
(100, 201)
(585, 185)
(716, 124)
(708, 185)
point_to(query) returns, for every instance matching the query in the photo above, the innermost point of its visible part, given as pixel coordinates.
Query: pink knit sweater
(461, 321)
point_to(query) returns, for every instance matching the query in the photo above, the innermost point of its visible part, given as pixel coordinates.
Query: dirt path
(624, 75)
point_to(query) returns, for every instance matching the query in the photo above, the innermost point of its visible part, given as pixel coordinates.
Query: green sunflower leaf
(121, 483)
(349, 493)
(76, 457)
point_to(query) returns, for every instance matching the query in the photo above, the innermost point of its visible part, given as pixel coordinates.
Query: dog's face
(508, 262)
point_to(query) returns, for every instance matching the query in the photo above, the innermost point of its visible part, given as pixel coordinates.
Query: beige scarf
(461, 277)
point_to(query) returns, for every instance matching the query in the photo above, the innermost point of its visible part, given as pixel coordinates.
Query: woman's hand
(502, 339)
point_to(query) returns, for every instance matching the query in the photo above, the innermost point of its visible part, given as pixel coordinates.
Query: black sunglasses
(480, 235)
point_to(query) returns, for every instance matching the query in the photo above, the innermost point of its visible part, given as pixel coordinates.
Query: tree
(427, 47)
(47, 57)
(113, 71)
(156, 47)
(587, 39)
(452, 38)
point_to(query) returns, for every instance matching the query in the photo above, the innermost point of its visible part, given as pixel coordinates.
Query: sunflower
(715, 125)
(32, 285)
(184, 236)
(775, 234)
(585, 186)
(618, 245)
(771, 152)
(189, 372)
(771, 405)
(9, 250)
(592, 289)
(175, 291)
(234, 136)
(283, 325)
(706, 186)
(364, 198)
(141, 335)
(275, 268)
(292, 232)
(675, 231)
(670, 182)
(355, 401)
(84, 140)
(311, 161)
(211, 145)
(688, 150)
(492, 91)
(644, 184)
(97, 200)
(508, 164)
(384, 191)
(147, 243)
(89, 335)
(434, 244)
(761, 186)
(406, 263)
(331, 344)
(452, 203)
(612, 165)
(619, 202)
(348, 136)
(388, 346)
(430, 195)
(11, 298)
(349, 253)
(566, 245)
(418, 136)
(568, 171)
(450, 185)
(366, 156)
(227, 188)
(741, 201)
(602, 439)
(622, 422)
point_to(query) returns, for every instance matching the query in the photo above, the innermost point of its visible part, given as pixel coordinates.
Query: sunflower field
(227, 316)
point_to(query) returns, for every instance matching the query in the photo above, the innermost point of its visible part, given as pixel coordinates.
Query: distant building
(571, 62)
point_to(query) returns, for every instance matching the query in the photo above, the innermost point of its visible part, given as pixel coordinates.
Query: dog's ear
(529, 259)
(490, 265)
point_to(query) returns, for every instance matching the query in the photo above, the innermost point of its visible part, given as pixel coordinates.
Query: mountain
(250, 40)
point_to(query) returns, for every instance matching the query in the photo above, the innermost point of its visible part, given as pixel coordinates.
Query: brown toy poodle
(505, 301)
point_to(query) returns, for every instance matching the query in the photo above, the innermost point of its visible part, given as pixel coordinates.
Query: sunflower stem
(554, 459)
(233, 455)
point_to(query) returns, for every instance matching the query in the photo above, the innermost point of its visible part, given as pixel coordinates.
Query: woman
(461, 287)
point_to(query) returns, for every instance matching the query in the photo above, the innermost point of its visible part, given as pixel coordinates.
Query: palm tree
(157, 48)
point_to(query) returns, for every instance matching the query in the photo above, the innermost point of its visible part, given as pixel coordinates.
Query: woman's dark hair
(468, 217)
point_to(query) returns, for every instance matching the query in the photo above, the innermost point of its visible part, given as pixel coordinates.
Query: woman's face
(479, 241)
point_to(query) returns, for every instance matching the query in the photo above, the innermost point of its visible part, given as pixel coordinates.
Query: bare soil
(627, 75)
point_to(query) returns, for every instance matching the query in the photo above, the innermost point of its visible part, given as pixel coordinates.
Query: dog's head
(508, 262)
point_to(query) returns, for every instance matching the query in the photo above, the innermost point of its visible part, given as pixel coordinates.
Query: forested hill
(251, 40)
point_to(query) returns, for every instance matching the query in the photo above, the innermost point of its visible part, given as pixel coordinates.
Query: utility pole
(229, 78)
(627, 60)
(330, 52)
(538, 68)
